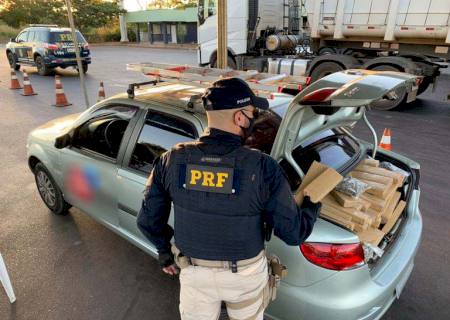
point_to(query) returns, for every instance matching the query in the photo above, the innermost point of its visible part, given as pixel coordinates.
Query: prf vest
(218, 202)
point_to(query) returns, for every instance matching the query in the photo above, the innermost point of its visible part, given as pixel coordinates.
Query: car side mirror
(63, 141)
(12, 40)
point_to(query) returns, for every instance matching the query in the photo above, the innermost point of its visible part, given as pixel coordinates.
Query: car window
(30, 36)
(41, 36)
(22, 37)
(159, 133)
(65, 36)
(104, 131)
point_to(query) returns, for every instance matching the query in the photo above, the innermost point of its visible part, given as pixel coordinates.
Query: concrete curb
(177, 46)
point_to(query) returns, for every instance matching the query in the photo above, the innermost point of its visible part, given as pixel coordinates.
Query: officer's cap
(231, 93)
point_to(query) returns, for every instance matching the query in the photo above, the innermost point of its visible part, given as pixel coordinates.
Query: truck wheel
(230, 62)
(324, 69)
(13, 61)
(326, 50)
(386, 104)
(43, 70)
(49, 191)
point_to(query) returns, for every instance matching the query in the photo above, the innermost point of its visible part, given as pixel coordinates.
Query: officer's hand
(311, 206)
(171, 270)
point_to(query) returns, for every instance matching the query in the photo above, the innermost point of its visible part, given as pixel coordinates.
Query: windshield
(65, 36)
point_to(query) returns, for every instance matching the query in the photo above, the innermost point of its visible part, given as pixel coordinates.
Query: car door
(20, 46)
(29, 45)
(157, 132)
(90, 165)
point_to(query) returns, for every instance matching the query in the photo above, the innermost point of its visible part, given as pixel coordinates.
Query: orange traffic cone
(27, 88)
(61, 100)
(101, 92)
(14, 81)
(385, 142)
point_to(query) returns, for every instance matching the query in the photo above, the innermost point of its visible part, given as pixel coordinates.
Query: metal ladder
(262, 84)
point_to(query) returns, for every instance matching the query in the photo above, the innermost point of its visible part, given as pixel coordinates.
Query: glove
(312, 207)
(165, 259)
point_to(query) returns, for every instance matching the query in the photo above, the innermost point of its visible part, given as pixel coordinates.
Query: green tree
(87, 13)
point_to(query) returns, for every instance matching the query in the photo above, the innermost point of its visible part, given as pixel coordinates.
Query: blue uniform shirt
(290, 223)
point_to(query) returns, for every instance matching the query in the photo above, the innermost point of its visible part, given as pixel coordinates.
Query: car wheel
(49, 191)
(387, 104)
(13, 61)
(43, 70)
(230, 63)
(324, 69)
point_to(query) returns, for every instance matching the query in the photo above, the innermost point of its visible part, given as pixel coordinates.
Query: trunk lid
(353, 92)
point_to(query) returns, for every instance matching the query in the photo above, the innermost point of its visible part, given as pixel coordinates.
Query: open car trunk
(338, 101)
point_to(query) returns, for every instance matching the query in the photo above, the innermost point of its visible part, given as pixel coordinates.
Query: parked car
(47, 47)
(99, 161)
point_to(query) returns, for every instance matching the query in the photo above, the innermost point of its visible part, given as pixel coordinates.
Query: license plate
(412, 95)
(401, 284)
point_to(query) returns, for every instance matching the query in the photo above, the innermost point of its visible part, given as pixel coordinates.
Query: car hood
(54, 128)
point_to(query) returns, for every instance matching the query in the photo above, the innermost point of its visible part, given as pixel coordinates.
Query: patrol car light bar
(263, 84)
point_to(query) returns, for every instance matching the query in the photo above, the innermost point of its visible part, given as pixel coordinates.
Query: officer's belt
(183, 261)
(226, 264)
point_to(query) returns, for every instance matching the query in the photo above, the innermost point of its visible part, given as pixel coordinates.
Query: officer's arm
(291, 223)
(154, 214)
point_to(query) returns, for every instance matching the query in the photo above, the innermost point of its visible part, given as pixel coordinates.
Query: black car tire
(324, 69)
(49, 191)
(12, 59)
(43, 70)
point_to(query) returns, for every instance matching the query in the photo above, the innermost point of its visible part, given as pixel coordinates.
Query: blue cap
(231, 93)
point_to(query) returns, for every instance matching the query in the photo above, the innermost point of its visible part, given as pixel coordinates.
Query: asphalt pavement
(72, 267)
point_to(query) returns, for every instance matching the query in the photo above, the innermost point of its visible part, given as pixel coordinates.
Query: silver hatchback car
(99, 161)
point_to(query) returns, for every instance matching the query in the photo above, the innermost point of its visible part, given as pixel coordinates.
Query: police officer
(222, 193)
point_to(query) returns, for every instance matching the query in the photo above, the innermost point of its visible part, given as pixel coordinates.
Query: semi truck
(317, 37)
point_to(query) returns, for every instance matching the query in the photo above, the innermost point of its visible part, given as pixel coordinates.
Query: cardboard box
(319, 181)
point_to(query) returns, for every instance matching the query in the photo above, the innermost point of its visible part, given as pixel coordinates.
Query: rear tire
(230, 63)
(386, 104)
(43, 70)
(12, 59)
(49, 191)
(324, 69)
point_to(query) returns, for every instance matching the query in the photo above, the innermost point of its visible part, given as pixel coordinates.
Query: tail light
(317, 97)
(50, 46)
(334, 256)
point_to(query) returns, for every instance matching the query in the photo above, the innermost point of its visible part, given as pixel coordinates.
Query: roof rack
(43, 25)
(262, 84)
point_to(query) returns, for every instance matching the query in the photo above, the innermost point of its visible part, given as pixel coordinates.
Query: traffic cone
(27, 88)
(101, 92)
(14, 81)
(4, 279)
(385, 142)
(61, 100)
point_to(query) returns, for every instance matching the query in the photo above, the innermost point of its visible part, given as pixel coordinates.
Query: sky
(134, 5)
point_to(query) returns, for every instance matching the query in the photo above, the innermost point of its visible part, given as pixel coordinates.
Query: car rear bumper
(54, 62)
(361, 294)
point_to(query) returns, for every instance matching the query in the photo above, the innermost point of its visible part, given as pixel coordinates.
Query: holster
(277, 271)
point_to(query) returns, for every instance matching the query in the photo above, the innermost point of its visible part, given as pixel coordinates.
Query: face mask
(248, 131)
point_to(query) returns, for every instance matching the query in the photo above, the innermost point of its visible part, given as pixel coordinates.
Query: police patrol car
(46, 47)
(99, 161)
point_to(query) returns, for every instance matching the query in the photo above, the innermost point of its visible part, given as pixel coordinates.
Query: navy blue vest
(217, 202)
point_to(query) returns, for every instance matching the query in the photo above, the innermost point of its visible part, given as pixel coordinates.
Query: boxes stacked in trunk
(373, 214)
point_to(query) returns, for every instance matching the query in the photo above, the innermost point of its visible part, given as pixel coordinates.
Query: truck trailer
(318, 37)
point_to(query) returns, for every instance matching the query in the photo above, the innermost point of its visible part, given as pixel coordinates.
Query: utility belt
(276, 269)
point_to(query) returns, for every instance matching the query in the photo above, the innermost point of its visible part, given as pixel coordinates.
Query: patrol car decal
(209, 179)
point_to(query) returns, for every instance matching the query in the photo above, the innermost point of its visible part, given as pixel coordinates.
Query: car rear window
(331, 147)
(65, 36)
